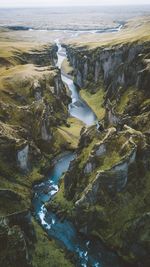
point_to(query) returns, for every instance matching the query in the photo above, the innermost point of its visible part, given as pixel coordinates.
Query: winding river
(78, 108)
(88, 253)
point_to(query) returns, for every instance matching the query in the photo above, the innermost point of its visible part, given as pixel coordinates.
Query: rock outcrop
(33, 103)
(123, 70)
(108, 183)
(17, 238)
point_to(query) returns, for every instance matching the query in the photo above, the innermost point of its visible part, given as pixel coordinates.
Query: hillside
(33, 106)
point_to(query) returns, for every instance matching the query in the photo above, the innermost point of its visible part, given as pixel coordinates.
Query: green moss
(86, 153)
(95, 101)
(110, 160)
(59, 202)
(21, 184)
(124, 100)
(146, 103)
(70, 135)
(47, 252)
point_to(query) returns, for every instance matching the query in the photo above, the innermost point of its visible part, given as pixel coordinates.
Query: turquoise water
(77, 108)
(88, 252)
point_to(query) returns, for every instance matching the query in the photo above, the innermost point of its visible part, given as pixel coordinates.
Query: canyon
(102, 159)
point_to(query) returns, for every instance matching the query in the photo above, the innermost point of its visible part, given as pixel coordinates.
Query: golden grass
(135, 30)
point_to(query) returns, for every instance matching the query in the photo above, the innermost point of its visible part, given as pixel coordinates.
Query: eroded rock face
(114, 180)
(119, 69)
(44, 133)
(100, 150)
(37, 90)
(33, 104)
(114, 65)
(106, 183)
(45, 99)
(89, 167)
(23, 157)
(17, 235)
(43, 57)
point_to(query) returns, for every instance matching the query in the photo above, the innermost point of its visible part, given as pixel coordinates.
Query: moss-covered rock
(109, 179)
(33, 105)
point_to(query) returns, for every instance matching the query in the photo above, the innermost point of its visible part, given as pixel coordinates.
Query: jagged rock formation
(33, 103)
(44, 94)
(123, 70)
(108, 183)
(17, 238)
(107, 187)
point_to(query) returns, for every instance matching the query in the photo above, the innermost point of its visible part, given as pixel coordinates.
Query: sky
(44, 3)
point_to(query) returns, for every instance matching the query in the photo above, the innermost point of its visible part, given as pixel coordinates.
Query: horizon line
(54, 6)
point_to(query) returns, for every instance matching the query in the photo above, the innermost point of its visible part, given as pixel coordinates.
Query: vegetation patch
(48, 253)
(70, 134)
(95, 101)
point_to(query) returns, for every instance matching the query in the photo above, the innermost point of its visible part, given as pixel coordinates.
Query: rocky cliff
(107, 186)
(33, 103)
(121, 72)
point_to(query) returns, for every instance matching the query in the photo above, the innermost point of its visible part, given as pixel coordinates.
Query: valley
(75, 147)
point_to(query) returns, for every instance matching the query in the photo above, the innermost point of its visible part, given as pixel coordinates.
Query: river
(77, 108)
(88, 253)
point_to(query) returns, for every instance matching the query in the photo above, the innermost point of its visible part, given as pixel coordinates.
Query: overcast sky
(39, 3)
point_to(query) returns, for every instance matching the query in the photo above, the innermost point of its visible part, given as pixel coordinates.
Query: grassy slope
(16, 78)
(137, 29)
(95, 101)
(47, 252)
(71, 134)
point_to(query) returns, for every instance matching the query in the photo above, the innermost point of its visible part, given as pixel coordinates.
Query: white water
(88, 252)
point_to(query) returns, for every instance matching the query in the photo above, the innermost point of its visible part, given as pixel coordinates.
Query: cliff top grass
(17, 82)
(135, 30)
(16, 74)
(9, 49)
(69, 135)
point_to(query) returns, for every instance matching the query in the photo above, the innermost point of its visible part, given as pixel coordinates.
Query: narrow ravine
(89, 253)
(78, 108)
